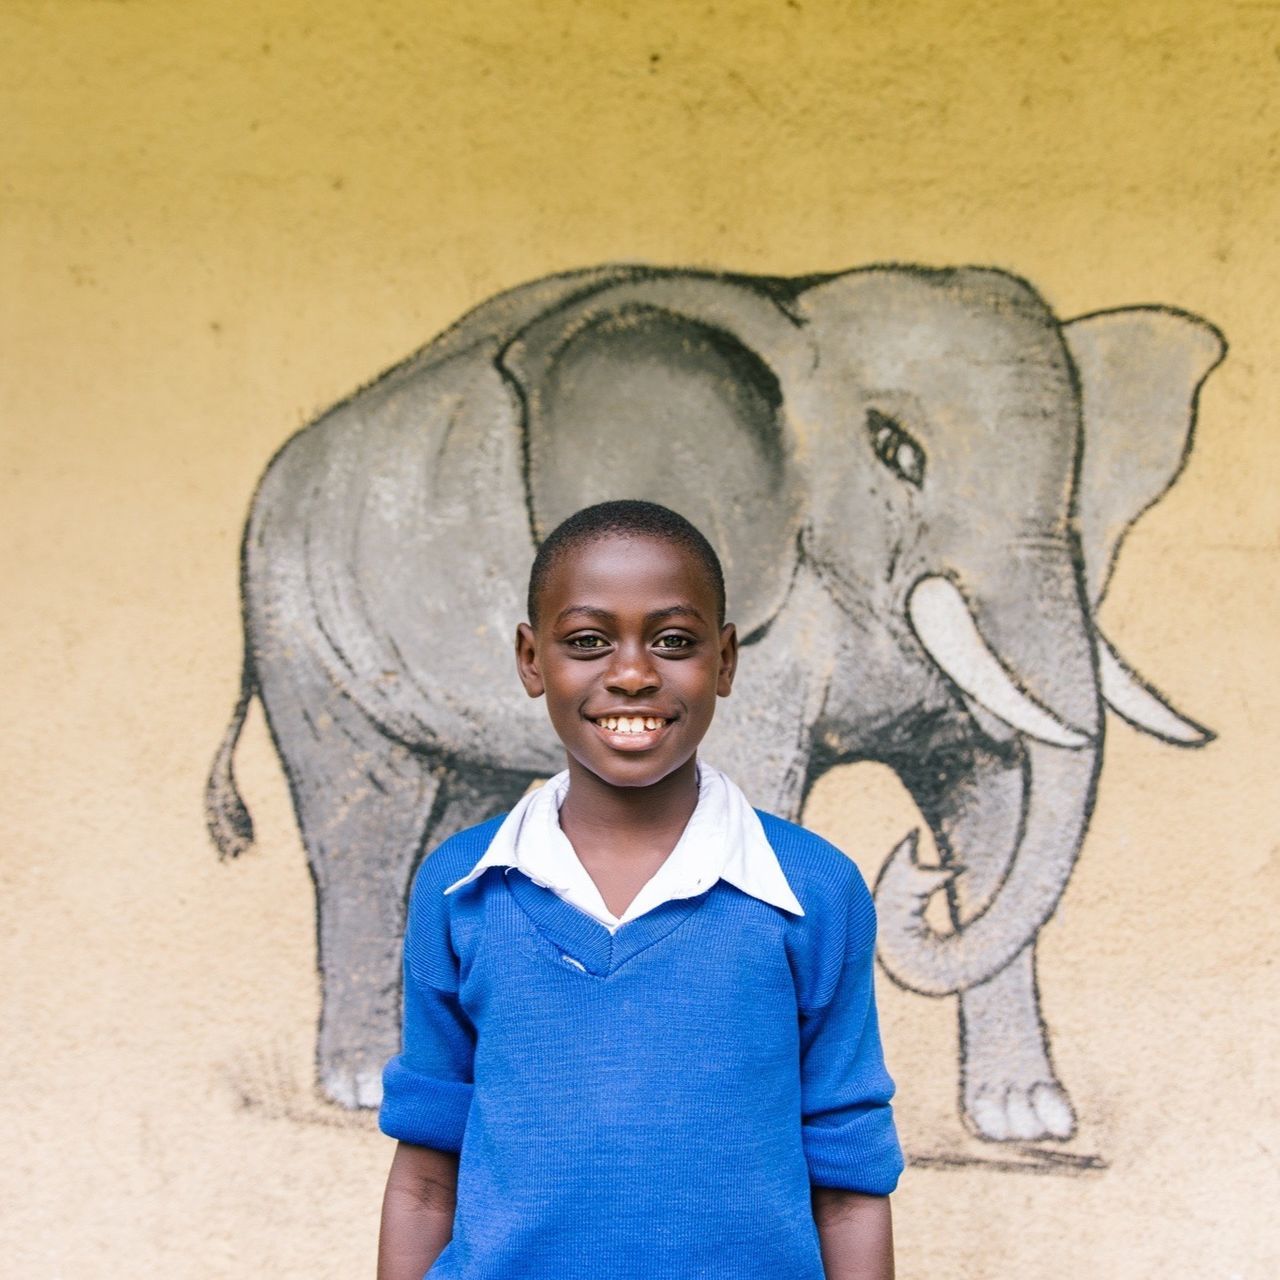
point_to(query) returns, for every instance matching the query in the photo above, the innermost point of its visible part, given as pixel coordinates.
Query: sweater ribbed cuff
(862, 1154)
(422, 1110)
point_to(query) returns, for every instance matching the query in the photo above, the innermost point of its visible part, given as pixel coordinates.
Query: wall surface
(218, 219)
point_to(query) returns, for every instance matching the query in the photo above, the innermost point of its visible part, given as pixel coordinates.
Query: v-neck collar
(583, 941)
(724, 839)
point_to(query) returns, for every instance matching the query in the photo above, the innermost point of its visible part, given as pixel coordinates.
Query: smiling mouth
(631, 724)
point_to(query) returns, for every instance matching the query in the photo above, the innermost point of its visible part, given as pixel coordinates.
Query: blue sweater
(652, 1103)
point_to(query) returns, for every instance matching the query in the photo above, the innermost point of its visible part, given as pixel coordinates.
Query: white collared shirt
(724, 840)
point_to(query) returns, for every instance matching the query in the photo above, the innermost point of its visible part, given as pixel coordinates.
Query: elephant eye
(895, 448)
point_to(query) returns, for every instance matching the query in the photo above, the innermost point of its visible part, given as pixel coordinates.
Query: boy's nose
(633, 671)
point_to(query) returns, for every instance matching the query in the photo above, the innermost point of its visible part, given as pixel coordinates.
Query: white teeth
(630, 724)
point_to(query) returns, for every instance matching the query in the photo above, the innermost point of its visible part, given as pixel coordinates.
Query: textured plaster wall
(215, 219)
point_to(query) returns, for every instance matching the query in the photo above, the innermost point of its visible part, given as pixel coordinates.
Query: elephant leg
(363, 803)
(1009, 1091)
(362, 923)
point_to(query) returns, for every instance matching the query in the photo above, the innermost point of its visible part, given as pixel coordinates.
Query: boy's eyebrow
(656, 615)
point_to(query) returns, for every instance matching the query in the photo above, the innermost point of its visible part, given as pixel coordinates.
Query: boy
(652, 1051)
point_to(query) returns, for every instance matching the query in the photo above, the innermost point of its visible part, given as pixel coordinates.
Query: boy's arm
(426, 1088)
(417, 1211)
(850, 1140)
(856, 1234)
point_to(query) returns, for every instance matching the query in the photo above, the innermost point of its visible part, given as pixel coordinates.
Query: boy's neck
(597, 817)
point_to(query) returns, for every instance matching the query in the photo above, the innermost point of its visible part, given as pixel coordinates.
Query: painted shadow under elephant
(918, 480)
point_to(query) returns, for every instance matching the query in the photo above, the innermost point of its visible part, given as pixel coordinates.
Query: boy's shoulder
(816, 869)
(839, 918)
(455, 856)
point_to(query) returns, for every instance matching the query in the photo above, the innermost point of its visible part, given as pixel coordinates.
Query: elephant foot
(352, 1087)
(1010, 1092)
(1019, 1112)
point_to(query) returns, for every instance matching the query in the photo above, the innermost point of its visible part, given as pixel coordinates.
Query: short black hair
(625, 517)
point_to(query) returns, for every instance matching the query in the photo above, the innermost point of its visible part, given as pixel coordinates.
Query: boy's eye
(672, 642)
(587, 642)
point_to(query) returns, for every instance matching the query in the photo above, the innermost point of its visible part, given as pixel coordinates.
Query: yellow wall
(216, 219)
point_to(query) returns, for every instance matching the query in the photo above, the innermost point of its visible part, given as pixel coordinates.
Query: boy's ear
(527, 661)
(728, 659)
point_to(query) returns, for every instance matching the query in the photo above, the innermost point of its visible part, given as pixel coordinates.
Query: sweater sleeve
(848, 1132)
(426, 1088)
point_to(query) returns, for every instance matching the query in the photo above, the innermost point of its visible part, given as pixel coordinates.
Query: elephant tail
(921, 959)
(225, 813)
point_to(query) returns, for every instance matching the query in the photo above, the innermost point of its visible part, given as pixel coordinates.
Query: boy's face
(630, 656)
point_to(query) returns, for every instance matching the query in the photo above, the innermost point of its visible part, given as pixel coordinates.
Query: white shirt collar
(724, 840)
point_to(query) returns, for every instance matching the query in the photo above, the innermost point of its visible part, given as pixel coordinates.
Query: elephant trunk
(1023, 653)
(1059, 783)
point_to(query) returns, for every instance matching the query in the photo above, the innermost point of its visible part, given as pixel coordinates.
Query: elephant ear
(670, 389)
(1140, 372)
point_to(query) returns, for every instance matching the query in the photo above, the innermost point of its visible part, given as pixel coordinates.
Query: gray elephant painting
(919, 481)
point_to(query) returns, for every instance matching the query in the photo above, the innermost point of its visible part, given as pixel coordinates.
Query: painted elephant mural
(919, 480)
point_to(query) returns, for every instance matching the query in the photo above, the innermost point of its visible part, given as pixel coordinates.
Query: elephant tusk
(1141, 705)
(945, 627)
